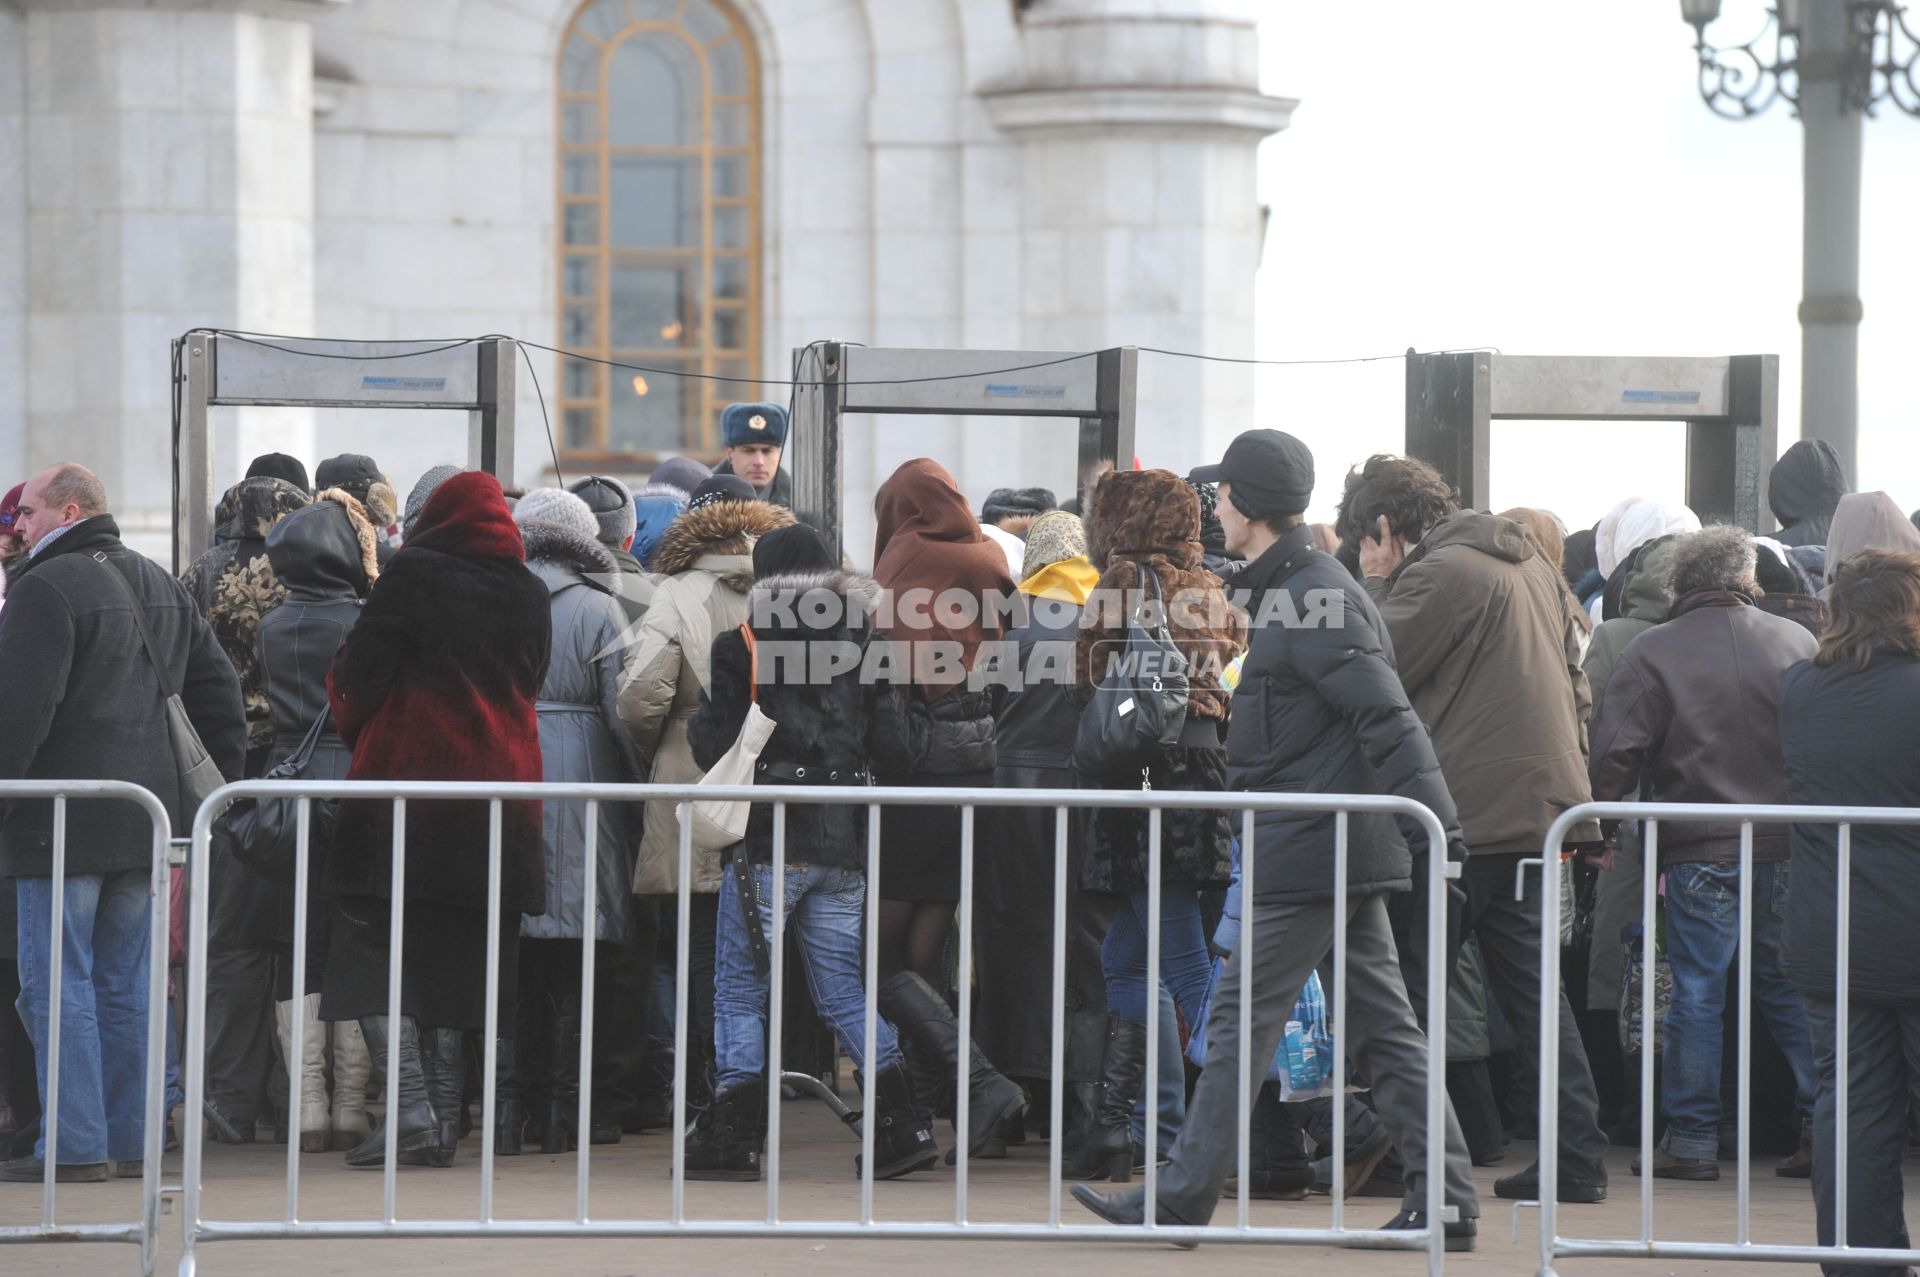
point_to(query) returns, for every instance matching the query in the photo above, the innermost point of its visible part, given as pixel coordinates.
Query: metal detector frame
(1095, 387)
(221, 370)
(1730, 404)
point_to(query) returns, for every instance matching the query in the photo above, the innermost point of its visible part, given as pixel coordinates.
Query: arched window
(659, 222)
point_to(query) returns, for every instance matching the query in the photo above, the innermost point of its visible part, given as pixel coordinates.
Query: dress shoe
(1460, 1234)
(31, 1170)
(1128, 1207)
(1524, 1186)
(1667, 1166)
(1800, 1164)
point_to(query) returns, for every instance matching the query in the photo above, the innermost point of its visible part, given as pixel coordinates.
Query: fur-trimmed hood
(723, 528)
(552, 544)
(327, 550)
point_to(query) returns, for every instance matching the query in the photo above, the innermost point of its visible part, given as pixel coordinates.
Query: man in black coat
(82, 701)
(1319, 709)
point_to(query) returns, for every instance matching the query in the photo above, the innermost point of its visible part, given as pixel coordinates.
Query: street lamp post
(1835, 61)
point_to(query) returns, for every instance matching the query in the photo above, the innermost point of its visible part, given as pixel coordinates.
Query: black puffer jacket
(1320, 710)
(1850, 738)
(1804, 489)
(843, 724)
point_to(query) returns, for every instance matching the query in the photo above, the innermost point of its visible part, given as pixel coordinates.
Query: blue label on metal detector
(1660, 396)
(403, 383)
(1002, 390)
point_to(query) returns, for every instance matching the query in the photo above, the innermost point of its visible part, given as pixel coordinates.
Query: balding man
(82, 699)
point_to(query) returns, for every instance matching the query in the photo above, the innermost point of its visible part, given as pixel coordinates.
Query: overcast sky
(1544, 178)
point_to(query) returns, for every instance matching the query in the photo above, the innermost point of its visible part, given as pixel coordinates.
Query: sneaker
(1667, 1166)
(1800, 1164)
(1524, 1186)
(31, 1170)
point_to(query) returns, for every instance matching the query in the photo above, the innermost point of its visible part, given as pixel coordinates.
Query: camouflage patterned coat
(233, 585)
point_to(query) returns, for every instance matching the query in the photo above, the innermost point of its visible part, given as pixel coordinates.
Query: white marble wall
(13, 248)
(169, 183)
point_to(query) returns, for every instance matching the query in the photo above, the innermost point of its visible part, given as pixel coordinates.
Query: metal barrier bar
(1552, 1244)
(1243, 1205)
(1429, 1239)
(1056, 1094)
(590, 929)
(1151, 1216)
(489, 1048)
(1340, 1021)
(297, 1034)
(870, 1029)
(396, 914)
(962, 1140)
(776, 1008)
(143, 1230)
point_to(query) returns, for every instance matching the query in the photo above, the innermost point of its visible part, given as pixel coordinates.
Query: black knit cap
(721, 487)
(278, 465)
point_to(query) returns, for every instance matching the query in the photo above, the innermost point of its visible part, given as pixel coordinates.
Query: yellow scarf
(1071, 580)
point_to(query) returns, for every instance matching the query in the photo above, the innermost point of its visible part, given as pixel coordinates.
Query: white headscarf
(1632, 524)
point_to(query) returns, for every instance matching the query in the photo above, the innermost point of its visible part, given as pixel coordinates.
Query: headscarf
(467, 516)
(792, 549)
(1056, 564)
(1632, 524)
(1867, 521)
(925, 538)
(422, 489)
(654, 511)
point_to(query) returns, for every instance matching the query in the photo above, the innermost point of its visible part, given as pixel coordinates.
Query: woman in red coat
(437, 682)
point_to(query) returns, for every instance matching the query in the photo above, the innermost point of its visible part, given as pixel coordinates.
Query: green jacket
(1646, 601)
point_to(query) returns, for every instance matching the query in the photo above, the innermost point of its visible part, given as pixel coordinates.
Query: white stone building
(700, 184)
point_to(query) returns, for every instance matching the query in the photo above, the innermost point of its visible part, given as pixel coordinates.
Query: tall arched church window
(659, 223)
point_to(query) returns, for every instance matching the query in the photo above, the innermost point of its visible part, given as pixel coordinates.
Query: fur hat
(612, 504)
(1011, 503)
(742, 423)
(559, 507)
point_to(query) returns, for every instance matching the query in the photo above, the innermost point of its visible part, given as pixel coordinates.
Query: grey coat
(582, 739)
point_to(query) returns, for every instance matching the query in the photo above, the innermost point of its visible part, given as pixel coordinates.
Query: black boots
(912, 1006)
(443, 1062)
(725, 1144)
(902, 1143)
(509, 1108)
(1277, 1165)
(559, 1133)
(1105, 1144)
(406, 1098)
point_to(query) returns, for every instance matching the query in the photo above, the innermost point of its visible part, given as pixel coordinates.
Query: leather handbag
(263, 833)
(1139, 708)
(720, 823)
(199, 775)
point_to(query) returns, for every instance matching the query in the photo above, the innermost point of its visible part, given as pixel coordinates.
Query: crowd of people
(1496, 668)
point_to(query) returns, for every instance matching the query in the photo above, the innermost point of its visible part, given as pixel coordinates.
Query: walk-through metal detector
(227, 370)
(1730, 405)
(1096, 387)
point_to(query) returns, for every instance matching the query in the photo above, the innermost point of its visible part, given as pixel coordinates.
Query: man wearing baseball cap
(1321, 711)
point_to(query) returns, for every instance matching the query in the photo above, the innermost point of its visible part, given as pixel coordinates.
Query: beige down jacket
(706, 560)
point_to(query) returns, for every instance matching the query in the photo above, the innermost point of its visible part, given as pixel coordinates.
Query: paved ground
(629, 1181)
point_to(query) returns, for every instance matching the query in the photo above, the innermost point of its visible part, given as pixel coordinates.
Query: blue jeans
(1186, 973)
(103, 1009)
(1703, 939)
(825, 908)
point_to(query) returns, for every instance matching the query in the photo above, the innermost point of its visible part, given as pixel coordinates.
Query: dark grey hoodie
(1806, 485)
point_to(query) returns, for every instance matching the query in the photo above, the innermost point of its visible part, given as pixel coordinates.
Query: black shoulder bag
(1139, 708)
(262, 833)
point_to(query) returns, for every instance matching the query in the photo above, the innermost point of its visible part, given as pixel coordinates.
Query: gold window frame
(700, 428)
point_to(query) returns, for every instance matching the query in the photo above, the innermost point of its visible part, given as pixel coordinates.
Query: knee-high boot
(563, 1075)
(443, 1061)
(1105, 1143)
(912, 1006)
(352, 1068)
(407, 1104)
(311, 1103)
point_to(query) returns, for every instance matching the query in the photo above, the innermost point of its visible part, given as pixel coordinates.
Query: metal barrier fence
(199, 1229)
(143, 1230)
(1552, 1244)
